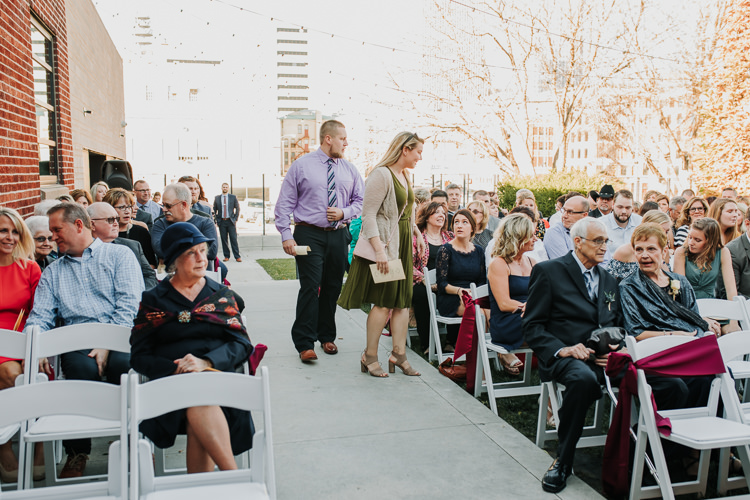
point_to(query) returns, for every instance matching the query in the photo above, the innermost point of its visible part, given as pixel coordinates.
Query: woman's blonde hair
(524, 194)
(657, 217)
(96, 185)
(514, 231)
(485, 214)
(717, 208)
(403, 140)
(25, 248)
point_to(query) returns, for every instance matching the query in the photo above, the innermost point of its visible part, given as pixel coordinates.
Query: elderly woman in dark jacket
(190, 324)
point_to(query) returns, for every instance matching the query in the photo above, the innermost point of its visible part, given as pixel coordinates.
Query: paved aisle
(341, 434)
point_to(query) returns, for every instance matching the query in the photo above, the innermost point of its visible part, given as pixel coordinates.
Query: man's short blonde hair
(329, 127)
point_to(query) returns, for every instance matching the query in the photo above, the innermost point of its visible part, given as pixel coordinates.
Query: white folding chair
(74, 399)
(53, 427)
(726, 309)
(215, 275)
(436, 350)
(485, 348)
(696, 428)
(15, 345)
(202, 389)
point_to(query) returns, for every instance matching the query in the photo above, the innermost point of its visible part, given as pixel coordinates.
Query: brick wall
(19, 159)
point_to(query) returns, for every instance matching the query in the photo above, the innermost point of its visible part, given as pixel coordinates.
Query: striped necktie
(590, 284)
(331, 187)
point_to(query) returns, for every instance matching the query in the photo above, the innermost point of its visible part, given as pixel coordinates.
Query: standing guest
(44, 246)
(729, 192)
(196, 192)
(624, 262)
(651, 195)
(622, 221)
(675, 209)
(170, 346)
(739, 248)
(19, 276)
(388, 204)
(432, 222)
(693, 210)
(143, 199)
(82, 197)
(111, 294)
(98, 191)
(603, 202)
(123, 203)
(703, 259)
(663, 201)
(459, 264)
(557, 240)
(104, 226)
(568, 299)
(688, 193)
(177, 209)
(725, 212)
(526, 198)
(157, 198)
(647, 207)
(508, 278)
(454, 197)
(324, 191)
(481, 215)
(227, 210)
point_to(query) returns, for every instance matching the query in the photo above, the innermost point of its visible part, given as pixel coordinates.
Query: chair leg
(50, 464)
(638, 463)
(541, 424)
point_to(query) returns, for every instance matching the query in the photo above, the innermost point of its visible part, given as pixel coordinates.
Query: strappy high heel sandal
(400, 360)
(369, 364)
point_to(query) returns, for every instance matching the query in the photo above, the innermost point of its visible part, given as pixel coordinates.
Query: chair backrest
(638, 350)
(251, 393)
(215, 275)
(725, 309)
(734, 345)
(17, 345)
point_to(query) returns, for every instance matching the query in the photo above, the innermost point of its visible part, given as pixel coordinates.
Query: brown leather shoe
(329, 348)
(238, 259)
(226, 259)
(74, 466)
(308, 355)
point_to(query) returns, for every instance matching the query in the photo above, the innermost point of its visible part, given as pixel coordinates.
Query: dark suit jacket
(233, 208)
(740, 250)
(559, 312)
(143, 216)
(149, 275)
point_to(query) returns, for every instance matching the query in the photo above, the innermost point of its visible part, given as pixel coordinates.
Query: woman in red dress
(19, 275)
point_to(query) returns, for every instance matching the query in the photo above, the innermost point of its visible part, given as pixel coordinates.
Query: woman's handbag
(456, 373)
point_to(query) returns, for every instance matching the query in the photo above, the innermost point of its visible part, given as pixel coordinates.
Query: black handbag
(602, 338)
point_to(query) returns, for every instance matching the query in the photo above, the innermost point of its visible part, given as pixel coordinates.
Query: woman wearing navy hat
(190, 324)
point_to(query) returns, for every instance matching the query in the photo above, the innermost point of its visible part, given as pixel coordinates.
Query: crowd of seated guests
(128, 228)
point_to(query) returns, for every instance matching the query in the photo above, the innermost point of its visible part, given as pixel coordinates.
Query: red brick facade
(19, 157)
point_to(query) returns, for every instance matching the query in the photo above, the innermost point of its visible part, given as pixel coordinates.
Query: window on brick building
(43, 69)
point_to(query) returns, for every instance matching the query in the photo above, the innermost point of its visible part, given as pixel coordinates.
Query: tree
(723, 153)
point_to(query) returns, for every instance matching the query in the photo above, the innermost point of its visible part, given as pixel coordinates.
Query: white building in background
(292, 69)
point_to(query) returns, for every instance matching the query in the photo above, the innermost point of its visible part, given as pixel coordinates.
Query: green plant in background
(547, 188)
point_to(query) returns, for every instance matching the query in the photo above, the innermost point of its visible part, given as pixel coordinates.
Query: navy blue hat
(177, 238)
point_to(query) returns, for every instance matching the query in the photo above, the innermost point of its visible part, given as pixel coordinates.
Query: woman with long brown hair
(695, 208)
(725, 212)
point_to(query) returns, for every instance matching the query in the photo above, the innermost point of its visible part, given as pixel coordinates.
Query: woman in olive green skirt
(388, 224)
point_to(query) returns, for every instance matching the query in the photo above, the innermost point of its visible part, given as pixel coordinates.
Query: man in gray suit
(227, 211)
(740, 250)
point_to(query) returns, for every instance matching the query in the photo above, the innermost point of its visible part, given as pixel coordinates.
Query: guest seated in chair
(459, 263)
(508, 278)
(570, 297)
(624, 262)
(44, 247)
(190, 324)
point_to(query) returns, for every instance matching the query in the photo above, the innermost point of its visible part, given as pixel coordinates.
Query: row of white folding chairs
(130, 404)
(435, 348)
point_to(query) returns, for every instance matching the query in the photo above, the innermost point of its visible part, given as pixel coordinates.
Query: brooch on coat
(184, 317)
(674, 288)
(609, 297)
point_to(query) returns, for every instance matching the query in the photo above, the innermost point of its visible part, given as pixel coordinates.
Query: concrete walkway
(339, 433)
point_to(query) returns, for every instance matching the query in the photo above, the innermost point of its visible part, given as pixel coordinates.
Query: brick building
(38, 147)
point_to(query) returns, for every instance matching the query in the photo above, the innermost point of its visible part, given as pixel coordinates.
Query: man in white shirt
(621, 222)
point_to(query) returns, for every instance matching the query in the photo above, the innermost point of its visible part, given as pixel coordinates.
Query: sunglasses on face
(110, 220)
(42, 239)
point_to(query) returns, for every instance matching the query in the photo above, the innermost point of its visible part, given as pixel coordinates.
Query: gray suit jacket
(143, 216)
(149, 275)
(233, 208)
(740, 250)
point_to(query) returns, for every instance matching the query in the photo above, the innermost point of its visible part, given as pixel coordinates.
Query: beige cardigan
(379, 210)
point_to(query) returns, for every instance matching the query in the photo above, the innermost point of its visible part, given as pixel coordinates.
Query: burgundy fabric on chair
(467, 333)
(697, 358)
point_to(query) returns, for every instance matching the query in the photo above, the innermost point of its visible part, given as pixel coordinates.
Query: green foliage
(279, 269)
(547, 188)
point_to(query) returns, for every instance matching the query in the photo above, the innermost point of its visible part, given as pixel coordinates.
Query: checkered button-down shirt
(104, 285)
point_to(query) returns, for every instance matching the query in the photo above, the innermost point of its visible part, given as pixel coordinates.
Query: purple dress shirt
(304, 192)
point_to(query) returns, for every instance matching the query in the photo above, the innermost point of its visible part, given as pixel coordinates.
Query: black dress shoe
(555, 478)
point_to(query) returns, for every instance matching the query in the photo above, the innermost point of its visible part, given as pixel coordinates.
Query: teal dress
(704, 281)
(361, 289)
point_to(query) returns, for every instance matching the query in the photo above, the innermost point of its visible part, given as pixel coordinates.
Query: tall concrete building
(292, 73)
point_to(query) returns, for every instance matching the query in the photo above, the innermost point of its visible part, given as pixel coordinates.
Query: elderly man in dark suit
(569, 298)
(227, 211)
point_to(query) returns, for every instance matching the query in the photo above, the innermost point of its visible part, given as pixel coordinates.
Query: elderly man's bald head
(101, 214)
(574, 209)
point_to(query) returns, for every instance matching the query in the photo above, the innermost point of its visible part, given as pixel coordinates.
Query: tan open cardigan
(379, 210)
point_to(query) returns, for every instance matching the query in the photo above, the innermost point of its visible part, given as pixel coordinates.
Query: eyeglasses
(142, 190)
(124, 208)
(169, 206)
(110, 220)
(42, 239)
(564, 211)
(600, 242)
(696, 209)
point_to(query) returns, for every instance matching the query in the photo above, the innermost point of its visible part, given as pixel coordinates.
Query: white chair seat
(71, 427)
(7, 432)
(233, 490)
(716, 432)
(740, 369)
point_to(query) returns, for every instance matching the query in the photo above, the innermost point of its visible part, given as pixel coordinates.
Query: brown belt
(330, 228)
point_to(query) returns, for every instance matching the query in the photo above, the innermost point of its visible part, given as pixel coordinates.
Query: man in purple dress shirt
(324, 191)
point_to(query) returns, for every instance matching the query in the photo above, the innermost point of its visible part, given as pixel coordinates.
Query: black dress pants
(228, 229)
(421, 314)
(321, 273)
